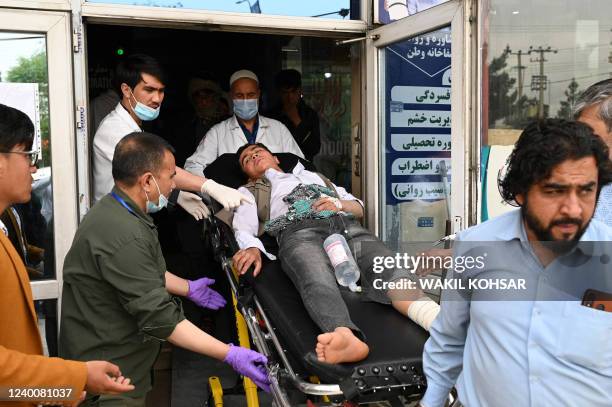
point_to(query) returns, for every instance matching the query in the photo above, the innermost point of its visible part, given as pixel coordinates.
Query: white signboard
(24, 97)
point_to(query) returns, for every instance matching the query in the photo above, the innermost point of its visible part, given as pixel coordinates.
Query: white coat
(116, 125)
(228, 137)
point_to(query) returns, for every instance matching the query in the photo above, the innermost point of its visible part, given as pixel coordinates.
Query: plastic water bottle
(345, 267)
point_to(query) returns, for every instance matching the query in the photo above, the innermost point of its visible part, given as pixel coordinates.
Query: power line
(22, 38)
(582, 77)
(575, 78)
(586, 46)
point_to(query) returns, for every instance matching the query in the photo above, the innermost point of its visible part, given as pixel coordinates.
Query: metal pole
(541, 86)
(542, 81)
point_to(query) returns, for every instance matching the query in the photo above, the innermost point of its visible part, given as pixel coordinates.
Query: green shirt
(115, 306)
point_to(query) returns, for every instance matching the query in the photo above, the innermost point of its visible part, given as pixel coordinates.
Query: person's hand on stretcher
(245, 258)
(328, 203)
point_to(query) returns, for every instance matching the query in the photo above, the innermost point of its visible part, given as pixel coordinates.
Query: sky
(11, 48)
(301, 8)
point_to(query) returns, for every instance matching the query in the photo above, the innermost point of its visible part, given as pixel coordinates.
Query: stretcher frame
(250, 315)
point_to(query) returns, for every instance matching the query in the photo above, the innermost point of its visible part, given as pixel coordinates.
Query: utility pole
(520, 68)
(539, 82)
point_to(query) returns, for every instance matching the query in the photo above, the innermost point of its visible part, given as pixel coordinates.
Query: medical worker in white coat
(245, 126)
(141, 80)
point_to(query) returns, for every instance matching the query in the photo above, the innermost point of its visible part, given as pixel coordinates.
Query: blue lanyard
(123, 203)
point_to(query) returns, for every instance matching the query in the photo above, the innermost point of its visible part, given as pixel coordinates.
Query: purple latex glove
(200, 293)
(249, 363)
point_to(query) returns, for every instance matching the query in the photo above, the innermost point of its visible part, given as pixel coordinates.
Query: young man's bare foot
(340, 346)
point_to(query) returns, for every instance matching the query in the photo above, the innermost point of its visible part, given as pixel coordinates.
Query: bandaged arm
(349, 202)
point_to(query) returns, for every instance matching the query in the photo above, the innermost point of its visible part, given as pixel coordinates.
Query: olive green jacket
(115, 304)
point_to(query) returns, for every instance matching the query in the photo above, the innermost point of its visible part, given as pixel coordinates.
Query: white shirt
(228, 137)
(101, 106)
(116, 125)
(246, 221)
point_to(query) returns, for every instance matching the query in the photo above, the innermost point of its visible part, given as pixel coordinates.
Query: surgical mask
(245, 109)
(161, 204)
(144, 112)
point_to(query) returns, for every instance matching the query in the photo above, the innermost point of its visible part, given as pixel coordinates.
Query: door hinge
(80, 117)
(457, 224)
(77, 40)
(357, 150)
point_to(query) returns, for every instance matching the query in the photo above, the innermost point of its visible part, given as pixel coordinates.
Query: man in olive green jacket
(117, 301)
(23, 368)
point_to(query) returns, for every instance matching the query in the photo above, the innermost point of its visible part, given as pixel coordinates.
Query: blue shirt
(521, 353)
(250, 136)
(603, 211)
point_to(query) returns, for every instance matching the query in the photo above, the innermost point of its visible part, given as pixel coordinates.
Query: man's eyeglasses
(32, 155)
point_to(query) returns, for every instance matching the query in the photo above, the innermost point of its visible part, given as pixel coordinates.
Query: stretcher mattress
(396, 343)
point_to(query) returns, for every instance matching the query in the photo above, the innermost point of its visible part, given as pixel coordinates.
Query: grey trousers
(306, 263)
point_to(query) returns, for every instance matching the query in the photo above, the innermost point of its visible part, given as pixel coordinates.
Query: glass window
(539, 57)
(46, 311)
(326, 87)
(393, 10)
(24, 86)
(336, 9)
(416, 128)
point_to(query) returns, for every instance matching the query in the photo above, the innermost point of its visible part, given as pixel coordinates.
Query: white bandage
(336, 202)
(423, 311)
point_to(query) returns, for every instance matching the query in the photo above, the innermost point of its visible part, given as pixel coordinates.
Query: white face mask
(142, 111)
(161, 203)
(245, 109)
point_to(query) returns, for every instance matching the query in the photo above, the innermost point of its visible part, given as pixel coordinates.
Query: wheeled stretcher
(279, 327)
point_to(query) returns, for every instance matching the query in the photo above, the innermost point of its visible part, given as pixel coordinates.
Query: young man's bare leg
(341, 346)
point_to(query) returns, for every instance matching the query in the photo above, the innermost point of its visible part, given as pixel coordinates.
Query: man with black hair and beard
(552, 345)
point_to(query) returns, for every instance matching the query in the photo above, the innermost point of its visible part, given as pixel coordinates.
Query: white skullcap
(243, 73)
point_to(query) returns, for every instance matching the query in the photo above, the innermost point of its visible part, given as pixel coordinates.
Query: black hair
(130, 70)
(137, 153)
(247, 145)
(288, 79)
(16, 129)
(545, 144)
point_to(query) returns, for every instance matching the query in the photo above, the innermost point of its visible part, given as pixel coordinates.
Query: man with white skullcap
(245, 126)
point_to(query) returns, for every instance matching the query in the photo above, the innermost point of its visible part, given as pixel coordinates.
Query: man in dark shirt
(301, 120)
(205, 98)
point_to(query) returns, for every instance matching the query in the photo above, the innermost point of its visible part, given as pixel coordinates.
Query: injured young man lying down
(301, 213)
